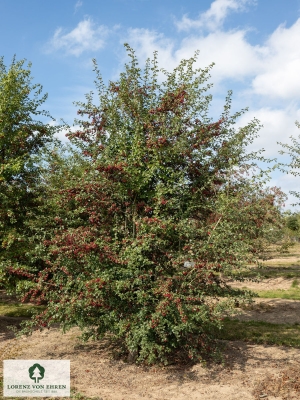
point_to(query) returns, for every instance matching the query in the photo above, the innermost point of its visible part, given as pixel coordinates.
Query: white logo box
(36, 378)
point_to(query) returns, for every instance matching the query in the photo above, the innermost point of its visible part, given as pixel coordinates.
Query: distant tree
(21, 139)
(293, 223)
(292, 220)
(163, 188)
(293, 150)
(291, 227)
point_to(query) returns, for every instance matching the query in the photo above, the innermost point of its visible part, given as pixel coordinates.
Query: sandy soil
(247, 374)
(264, 284)
(290, 260)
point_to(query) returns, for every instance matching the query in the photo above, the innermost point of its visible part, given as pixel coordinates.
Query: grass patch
(290, 294)
(80, 396)
(18, 309)
(261, 332)
(295, 283)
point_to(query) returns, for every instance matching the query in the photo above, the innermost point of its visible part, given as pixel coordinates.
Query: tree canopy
(22, 137)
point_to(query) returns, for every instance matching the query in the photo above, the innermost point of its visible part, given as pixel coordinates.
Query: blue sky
(254, 44)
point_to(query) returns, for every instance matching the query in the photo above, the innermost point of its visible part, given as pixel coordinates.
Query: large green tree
(22, 137)
(162, 215)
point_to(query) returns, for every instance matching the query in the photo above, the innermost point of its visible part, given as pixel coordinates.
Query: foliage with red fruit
(164, 187)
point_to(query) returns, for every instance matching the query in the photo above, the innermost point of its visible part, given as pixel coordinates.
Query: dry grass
(285, 383)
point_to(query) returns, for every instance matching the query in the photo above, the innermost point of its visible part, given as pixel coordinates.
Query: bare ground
(265, 284)
(249, 372)
(276, 311)
(94, 371)
(288, 259)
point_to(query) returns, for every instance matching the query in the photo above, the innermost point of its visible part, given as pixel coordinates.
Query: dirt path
(264, 284)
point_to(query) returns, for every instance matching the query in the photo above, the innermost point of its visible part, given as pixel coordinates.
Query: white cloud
(233, 56)
(145, 42)
(272, 67)
(61, 135)
(213, 18)
(85, 37)
(78, 4)
(278, 126)
(279, 76)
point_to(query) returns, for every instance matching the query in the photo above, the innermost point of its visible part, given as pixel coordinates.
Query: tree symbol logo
(36, 372)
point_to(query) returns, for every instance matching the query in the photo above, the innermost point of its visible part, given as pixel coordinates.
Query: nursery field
(261, 349)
